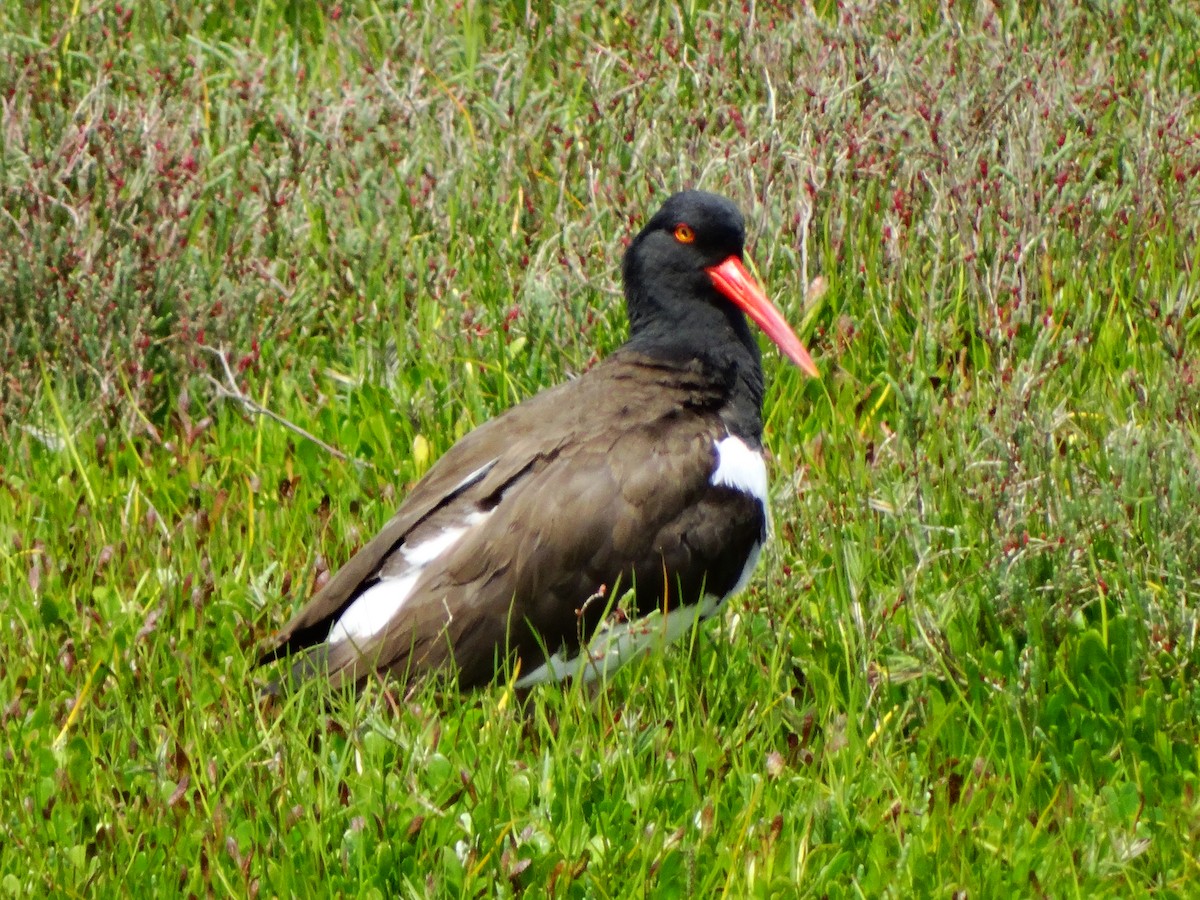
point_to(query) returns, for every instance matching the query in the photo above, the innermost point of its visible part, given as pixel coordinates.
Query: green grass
(968, 666)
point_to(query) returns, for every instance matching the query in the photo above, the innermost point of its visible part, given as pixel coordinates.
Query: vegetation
(968, 667)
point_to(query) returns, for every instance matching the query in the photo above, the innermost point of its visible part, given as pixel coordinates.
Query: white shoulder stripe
(475, 476)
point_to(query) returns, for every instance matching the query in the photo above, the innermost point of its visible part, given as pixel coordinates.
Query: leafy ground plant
(968, 666)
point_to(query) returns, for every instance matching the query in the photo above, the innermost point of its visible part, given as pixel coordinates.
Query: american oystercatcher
(641, 481)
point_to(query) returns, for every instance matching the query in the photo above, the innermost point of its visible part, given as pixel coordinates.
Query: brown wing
(602, 479)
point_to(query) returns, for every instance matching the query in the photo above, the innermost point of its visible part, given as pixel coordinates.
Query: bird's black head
(693, 231)
(688, 292)
(665, 265)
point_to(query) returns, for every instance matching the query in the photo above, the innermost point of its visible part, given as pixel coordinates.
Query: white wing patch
(741, 468)
(423, 554)
(375, 607)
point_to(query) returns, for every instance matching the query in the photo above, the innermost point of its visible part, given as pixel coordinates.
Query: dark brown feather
(601, 482)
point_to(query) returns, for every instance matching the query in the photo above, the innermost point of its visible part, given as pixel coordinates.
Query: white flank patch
(741, 468)
(375, 607)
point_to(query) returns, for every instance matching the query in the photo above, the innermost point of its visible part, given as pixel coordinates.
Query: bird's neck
(713, 340)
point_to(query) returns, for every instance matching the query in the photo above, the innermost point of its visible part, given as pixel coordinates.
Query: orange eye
(684, 234)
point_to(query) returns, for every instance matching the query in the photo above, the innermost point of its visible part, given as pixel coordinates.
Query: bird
(592, 522)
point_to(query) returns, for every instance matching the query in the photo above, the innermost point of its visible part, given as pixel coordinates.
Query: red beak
(732, 280)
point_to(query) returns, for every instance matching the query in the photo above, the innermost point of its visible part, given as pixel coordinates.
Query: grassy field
(969, 665)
